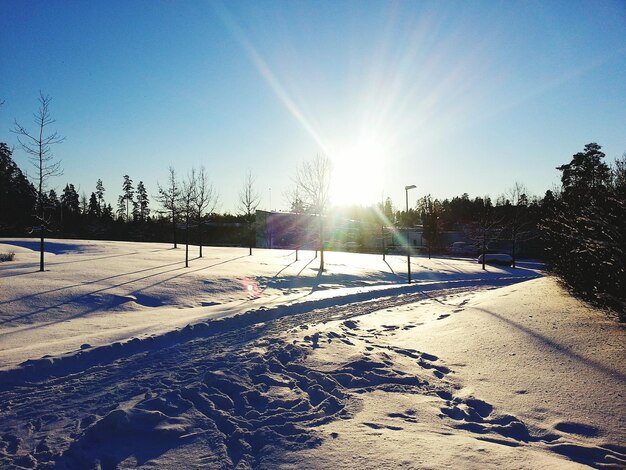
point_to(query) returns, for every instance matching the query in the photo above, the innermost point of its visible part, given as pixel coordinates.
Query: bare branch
(313, 180)
(249, 197)
(206, 199)
(39, 148)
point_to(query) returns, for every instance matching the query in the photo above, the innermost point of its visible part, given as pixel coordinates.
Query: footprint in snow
(404, 416)
(383, 426)
(580, 429)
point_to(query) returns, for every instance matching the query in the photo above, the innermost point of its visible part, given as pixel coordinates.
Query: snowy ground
(287, 367)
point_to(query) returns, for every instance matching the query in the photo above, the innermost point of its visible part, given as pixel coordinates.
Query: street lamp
(408, 248)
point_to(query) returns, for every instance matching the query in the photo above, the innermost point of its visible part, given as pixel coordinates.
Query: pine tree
(70, 199)
(584, 230)
(94, 207)
(17, 194)
(142, 202)
(126, 199)
(70, 207)
(84, 204)
(107, 212)
(100, 194)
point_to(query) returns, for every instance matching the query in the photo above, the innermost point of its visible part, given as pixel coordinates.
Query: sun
(358, 170)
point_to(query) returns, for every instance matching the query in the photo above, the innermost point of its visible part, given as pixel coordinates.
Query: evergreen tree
(107, 212)
(100, 194)
(53, 198)
(127, 196)
(94, 207)
(585, 180)
(584, 232)
(142, 203)
(17, 194)
(54, 207)
(121, 208)
(70, 208)
(70, 200)
(430, 210)
(84, 204)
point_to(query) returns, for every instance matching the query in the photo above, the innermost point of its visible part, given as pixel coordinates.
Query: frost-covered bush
(7, 256)
(585, 229)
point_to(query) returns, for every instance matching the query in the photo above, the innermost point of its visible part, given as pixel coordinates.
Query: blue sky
(450, 96)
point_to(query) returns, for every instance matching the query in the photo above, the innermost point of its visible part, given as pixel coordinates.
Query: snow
(117, 356)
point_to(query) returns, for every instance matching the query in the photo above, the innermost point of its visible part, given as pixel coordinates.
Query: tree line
(579, 228)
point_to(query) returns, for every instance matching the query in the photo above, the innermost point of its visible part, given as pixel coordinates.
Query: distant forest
(579, 228)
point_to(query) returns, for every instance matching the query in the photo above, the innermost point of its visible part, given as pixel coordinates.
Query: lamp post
(408, 248)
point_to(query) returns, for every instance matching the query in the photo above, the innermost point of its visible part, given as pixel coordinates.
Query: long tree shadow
(278, 274)
(84, 260)
(85, 298)
(389, 266)
(57, 263)
(5, 274)
(58, 289)
(305, 266)
(596, 365)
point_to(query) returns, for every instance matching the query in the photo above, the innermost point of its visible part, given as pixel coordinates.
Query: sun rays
(397, 96)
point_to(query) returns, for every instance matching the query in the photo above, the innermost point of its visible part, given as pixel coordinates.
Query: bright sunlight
(358, 170)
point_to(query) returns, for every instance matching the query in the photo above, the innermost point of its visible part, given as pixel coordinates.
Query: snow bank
(99, 292)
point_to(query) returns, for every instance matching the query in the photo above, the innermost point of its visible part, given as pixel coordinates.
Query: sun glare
(358, 172)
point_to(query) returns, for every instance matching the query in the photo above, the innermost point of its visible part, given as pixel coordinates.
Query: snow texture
(119, 357)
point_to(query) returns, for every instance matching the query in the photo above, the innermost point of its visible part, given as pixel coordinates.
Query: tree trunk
(484, 251)
(187, 243)
(249, 239)
(382, 232)
(41, 248)
(513, 251)
(41, 215)
(321, 244)
(174, 228)
(200, 236)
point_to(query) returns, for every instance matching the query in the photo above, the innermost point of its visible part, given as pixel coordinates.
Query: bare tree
(486, 226)
(38, 146)
(206, 200)
(518, 223)
(249, 199)
(169, 198)
(313, 180)
(187, 206)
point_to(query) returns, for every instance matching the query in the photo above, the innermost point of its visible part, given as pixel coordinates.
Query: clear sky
(451, 96)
